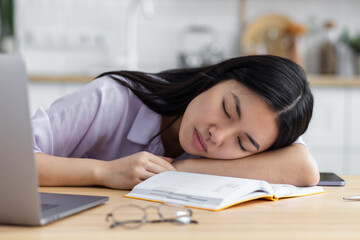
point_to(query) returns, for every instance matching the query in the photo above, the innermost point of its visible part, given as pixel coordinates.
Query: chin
(191, 151)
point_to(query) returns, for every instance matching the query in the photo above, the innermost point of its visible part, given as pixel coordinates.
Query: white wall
(88, 36)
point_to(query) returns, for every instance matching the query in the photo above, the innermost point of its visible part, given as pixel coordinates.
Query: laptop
(20, 202)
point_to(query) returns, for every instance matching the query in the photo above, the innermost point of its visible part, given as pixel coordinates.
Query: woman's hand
(126, 172)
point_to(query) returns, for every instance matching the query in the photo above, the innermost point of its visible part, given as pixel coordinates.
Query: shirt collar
(146, 125)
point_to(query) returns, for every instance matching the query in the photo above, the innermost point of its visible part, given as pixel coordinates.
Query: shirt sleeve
(300, 140)
(80, 118)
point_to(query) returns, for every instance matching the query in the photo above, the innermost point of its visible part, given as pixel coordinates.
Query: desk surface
(324, 216)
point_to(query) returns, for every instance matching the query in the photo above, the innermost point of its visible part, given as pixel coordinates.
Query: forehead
(229, 85)
(234, 87)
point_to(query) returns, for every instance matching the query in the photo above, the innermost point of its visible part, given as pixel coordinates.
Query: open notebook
(212, 192)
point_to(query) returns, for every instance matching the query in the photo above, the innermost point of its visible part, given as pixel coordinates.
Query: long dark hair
(279, 81)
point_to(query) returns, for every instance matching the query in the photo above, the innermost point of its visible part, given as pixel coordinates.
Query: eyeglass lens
(133, 216)
(129, 216)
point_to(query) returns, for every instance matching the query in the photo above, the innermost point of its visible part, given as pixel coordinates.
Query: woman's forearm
(291, 165)
(121, 173)
(60, 171)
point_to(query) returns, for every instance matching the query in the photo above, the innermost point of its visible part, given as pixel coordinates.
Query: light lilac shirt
(103, 120)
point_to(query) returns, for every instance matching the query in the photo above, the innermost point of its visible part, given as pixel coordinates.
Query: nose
(219, 135)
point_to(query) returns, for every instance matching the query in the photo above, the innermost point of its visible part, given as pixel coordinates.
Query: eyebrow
(237, 104)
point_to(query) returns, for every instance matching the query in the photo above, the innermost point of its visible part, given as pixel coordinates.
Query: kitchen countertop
(315, 80)
(334, 81)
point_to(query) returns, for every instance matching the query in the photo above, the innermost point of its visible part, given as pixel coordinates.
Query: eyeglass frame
(145, 220)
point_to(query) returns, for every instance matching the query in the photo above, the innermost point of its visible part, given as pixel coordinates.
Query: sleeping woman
(242, 117)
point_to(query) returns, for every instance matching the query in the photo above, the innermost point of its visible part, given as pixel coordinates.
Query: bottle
(327, 51)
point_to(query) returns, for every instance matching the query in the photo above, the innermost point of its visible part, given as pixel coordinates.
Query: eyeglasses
(133, 216)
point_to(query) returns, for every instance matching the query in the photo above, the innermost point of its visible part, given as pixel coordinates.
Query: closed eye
(240, 144)
(224, 108)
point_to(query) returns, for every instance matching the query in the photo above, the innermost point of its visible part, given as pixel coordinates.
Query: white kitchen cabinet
(331, 161)
(354, 119)
(354, 163)
(325, 135)
(353, 140)
(327, 124)
(43, 94)
(333, 136)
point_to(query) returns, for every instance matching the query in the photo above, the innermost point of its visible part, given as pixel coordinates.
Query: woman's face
(227, 121)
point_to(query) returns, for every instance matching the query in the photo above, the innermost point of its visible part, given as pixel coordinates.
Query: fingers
(153, 167)
(145, 175)
(152, 164)
(170, 160)
(131, 170)
(161, 164)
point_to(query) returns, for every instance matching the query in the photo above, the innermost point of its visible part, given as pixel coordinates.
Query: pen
(355, 197)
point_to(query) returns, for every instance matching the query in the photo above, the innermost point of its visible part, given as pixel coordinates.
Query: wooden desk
(324, 216)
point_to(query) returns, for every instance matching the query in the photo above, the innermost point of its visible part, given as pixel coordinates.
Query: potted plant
(354, 43)
(7, 32)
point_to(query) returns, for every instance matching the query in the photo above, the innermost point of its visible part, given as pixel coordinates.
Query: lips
(198, 141)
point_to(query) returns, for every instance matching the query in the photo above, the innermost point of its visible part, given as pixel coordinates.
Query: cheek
(181, 135)
(190, 119)
(226, 154)
(228, 151)
(185, 132)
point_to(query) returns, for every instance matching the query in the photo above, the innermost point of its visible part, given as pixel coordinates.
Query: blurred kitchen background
(65, 43)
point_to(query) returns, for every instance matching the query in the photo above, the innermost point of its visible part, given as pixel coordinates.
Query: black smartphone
(330, 179)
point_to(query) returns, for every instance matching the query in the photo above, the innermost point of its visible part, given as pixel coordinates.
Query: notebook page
(284, 190)
(199, 190)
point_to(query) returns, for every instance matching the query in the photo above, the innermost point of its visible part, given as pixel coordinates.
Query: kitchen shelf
(334, 81)
(315, 80)
(48, 78)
